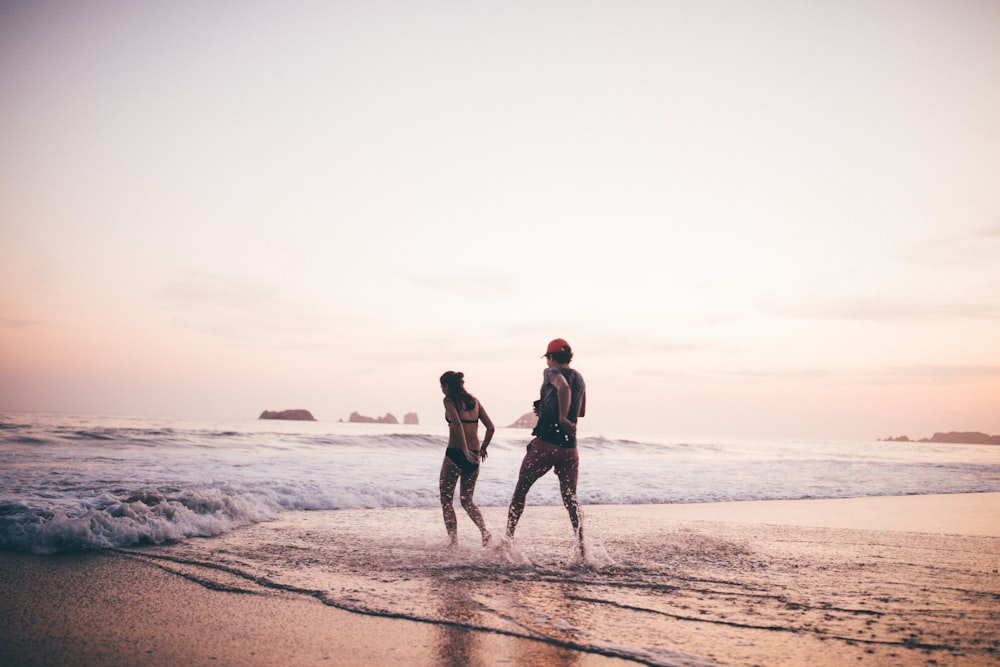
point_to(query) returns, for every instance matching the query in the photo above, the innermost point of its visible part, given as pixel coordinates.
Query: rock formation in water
(965, 438)
(527, 420)
(954, 437)
(295, 415)
(411, 418)
(358, 418)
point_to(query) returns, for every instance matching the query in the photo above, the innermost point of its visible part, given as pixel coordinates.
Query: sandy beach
(907, 580)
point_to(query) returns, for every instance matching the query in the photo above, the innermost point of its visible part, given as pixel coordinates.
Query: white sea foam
(79, 482)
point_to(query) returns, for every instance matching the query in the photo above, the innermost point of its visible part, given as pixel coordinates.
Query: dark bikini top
(466, 421)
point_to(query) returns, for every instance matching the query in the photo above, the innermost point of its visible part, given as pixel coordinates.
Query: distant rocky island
(952, 437)
(295, 415)
(527, 420)
(389, 418)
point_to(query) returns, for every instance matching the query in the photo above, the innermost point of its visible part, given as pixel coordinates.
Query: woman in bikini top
(466, 459)
(462, 412)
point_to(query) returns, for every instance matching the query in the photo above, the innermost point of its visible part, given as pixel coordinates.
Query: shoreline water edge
(780, 583)
(72, 482)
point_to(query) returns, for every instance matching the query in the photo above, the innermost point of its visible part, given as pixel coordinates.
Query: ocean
(82, 482)
(348, 515)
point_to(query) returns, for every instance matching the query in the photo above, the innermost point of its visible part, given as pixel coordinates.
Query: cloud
(967, 249)
(244, 311)
(801, 374)
(708, 378)
(17, 323)
(200, 289)
(618, 345)
(990, 233)
(663, 374)
(935, 375)
(889, 311)
(464, 285)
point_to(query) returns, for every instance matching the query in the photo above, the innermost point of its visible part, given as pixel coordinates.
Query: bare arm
(490, 429)
(564, 395)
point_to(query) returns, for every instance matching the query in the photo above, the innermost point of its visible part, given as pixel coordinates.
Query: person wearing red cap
(562, 402)
(463, 412)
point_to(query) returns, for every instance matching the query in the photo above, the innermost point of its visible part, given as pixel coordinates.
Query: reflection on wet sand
(670, 592)
(457, 647)
(463, 610)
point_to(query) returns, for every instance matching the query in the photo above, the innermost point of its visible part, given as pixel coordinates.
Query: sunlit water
(70, 482)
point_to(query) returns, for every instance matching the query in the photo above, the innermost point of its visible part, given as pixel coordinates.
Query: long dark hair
(454, 387)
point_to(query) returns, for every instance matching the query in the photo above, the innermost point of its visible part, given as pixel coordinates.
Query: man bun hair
(454, 384)
(453, 379)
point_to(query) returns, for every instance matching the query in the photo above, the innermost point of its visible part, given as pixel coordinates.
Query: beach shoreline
(949, 514)
(764, 582)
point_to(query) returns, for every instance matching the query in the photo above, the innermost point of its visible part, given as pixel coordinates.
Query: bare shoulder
(557, 379)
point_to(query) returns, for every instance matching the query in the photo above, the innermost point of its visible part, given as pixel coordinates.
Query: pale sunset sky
(776, 218)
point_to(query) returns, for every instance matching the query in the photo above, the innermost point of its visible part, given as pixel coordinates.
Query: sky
(775, 219)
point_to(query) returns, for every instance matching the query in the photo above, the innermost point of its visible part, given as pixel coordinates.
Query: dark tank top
(548, 428)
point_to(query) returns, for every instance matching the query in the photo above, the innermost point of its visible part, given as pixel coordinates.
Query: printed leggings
(541, 457)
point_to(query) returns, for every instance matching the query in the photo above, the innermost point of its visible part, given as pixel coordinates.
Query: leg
(449, 477)
(467, 493)
(533, 466)
(567, 470)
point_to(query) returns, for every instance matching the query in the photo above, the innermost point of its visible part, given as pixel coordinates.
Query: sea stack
(293, 415)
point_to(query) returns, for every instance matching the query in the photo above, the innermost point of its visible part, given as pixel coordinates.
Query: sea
(72, 482)
(349, 515)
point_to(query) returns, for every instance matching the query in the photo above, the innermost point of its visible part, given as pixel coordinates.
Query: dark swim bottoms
(464, 464)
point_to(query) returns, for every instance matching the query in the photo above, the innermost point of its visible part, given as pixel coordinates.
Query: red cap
(556, 345)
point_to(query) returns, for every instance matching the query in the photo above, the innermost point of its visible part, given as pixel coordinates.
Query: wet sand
(103, 609)
(879, 581)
